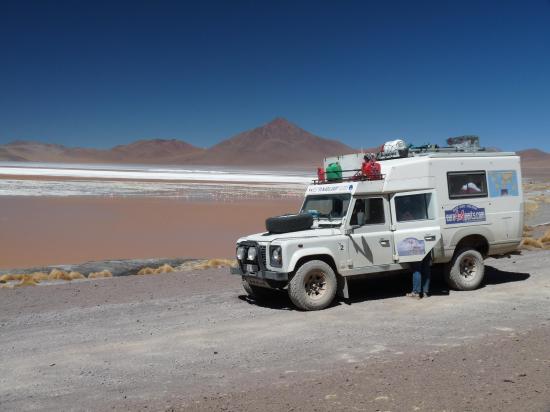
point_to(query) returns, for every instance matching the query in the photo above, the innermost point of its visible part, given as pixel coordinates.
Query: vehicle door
(370, 238)
(415, 224)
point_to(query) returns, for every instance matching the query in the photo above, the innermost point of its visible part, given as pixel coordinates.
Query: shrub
(102, 274)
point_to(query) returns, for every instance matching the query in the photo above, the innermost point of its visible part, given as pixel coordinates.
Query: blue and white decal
(332, 188)
(464, 214)
(503, 183)
(411, 246)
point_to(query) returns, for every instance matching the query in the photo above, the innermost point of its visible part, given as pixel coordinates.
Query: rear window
(463, 185)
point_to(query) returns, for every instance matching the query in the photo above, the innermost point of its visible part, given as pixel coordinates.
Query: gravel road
(193, 341)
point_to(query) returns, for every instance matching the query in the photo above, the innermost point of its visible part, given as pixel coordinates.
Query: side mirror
(349, 230)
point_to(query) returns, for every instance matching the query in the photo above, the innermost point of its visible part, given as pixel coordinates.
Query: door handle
(384, 242)
(429, 238)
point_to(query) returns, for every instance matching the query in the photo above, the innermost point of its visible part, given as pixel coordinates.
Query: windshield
(327, 206)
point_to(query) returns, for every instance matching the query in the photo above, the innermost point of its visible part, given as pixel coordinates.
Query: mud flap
(342, 291)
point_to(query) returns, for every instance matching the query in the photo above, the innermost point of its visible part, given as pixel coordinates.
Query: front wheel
(466, 270)
(313, 287)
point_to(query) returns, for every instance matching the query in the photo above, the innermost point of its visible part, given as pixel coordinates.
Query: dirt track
(193, 341)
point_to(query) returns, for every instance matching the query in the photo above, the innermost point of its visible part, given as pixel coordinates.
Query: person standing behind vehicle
(421, 278)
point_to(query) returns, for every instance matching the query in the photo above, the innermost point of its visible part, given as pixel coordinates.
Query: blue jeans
(421, 275)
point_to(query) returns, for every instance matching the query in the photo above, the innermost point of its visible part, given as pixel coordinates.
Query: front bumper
(261, 274)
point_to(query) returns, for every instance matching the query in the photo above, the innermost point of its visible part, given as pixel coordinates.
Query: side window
(368, 212)
(467, 184)
(413, 207)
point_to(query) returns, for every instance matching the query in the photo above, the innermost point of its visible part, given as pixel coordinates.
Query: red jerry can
(320, 174)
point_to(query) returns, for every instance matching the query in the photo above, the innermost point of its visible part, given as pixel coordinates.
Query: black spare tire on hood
(289, 223)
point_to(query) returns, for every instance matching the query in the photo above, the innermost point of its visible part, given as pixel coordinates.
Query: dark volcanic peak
(278, 142)
(533, 154)
(534, 163)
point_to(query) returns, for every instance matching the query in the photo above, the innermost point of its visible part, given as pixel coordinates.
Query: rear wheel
(466, 270)
(313, 287)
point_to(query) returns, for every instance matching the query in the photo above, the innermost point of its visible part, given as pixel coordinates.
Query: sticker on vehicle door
(464, 214)
(411, 246)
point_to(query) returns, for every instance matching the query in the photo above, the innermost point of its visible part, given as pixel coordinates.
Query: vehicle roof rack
(445, 149)
(468, 143)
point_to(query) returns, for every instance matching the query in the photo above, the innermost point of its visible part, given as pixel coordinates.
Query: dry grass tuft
(102, 274)
(57, 274)
(166, 268)
(27, 280)
(146, 271)
(546, 237)
(10, 276)
(39, 276)
(540, 199)
(530, 208)
(529, 241)
(535, 187)
(76, 275)
(215, 263)
(527, 231)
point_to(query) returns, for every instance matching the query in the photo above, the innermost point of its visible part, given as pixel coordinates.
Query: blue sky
(97, 74)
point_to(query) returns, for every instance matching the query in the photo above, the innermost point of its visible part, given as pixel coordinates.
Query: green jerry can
(334, 171)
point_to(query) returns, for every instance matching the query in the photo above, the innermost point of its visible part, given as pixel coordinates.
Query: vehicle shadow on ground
(389, 286)
(396, 285)
(386, 286)
(277, 299)
(494, 276)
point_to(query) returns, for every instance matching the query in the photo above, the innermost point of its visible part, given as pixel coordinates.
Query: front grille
(262, 256)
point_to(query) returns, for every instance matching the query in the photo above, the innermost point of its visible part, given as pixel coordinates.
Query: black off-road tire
(313, 287)
(256, 292)
(289, 223)
(466, 270)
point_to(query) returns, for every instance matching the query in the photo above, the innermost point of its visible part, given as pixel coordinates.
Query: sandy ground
(59, 230)
(192, 341)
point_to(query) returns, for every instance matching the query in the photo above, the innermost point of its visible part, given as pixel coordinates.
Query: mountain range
(277, 143)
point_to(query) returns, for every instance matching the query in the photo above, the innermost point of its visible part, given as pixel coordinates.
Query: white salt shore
(150, 173)
(157, 181)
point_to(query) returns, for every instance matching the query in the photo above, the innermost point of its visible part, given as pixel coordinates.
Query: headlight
(241, 251)
(252, 253)
(276, 256)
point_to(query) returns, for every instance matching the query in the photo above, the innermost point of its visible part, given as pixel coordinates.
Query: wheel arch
(324, 257)
(478, 237)
(475, 241)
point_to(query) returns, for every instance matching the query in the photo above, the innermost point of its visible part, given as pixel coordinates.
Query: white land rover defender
(459, 206)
